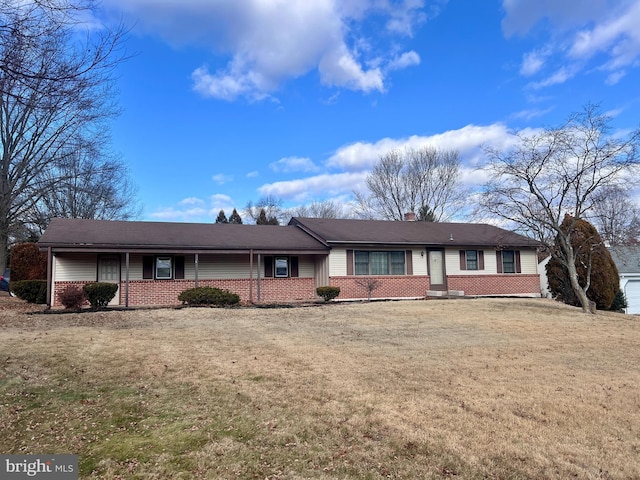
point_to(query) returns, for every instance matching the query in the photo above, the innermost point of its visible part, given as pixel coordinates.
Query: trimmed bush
(328, 293)
(72, 297)
(208, 296)
(32, 291)
(100, 294)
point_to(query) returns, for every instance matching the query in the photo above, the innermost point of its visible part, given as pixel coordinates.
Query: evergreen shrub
(328, 293)
(32, 291)
(100, 294)
(208, 296)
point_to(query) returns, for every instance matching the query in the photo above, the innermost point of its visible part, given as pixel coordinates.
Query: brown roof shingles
(345, 231)
(93, 234)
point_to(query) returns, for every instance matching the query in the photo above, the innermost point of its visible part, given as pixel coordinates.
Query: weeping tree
(412, 180)
(559, 171)
(597, 272)
(56, 99)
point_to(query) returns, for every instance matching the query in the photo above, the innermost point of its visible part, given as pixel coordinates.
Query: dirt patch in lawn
(482, 388)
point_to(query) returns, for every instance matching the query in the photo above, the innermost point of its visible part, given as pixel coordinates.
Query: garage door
(632, 292)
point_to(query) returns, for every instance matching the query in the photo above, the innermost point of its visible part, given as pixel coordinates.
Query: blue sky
(227, 101)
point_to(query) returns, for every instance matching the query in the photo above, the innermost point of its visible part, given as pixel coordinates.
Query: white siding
(306, 267)
(528, 262)
(419, 262)
(338, 262)
(70, 268)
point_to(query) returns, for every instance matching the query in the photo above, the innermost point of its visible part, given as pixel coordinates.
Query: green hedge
(100, 294)
(328, 293)
(208, 296)
(32, 291)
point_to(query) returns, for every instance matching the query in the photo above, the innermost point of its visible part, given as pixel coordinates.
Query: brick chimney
(409, 217)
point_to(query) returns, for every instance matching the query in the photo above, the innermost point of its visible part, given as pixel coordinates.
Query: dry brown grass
(484, 388)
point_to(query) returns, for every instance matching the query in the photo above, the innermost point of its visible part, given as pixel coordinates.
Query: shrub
(28, 262)
(72, 297)
(328, 293)
(100, 294)
(208, 296)
(619, 302)
(32, 291)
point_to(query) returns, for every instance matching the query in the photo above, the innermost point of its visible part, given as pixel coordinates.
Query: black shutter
(499, 261)
(179, 268)
(480, 259)
(147, 268)
(518, 263)
(463, 259)
(268, 266)
(349, 262)
(409, 262)
(294, 267)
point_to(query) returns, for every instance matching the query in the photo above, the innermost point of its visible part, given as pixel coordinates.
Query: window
(508, 261)
(164, 268)
(472, 260)
(282, 267)
(379, 263)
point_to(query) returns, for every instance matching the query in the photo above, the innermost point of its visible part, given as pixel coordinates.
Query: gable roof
(346, 231)
(626, 258)
(92, 235)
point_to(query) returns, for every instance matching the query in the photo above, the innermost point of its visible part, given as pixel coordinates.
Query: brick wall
(390, 286)
(157, 292)
(513, 284)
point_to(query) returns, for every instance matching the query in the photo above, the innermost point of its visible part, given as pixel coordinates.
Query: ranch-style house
(152, 262)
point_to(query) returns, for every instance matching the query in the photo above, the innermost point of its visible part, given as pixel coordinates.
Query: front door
(109, 271)
(436, 270)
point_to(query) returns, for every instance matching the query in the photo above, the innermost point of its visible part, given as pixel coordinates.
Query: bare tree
(557, 172)
(272, 207)
(317, 209)
(55, 99)
(616, 216)
(369, 284)
(412, 180)
(85, 187)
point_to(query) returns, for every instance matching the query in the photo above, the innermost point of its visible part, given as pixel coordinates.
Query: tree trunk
(588, 306)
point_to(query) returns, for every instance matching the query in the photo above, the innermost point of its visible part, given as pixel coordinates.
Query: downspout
(49, 276)
(126, 279)
(259, 263)
(196, 267)
(251, 276)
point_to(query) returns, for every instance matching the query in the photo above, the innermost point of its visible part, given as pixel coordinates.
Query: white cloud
(294, 164)
(531, 113)
(582, 34)
(253, 174)
(195, 209)
(407, 59)
(191, 201)
(363, 155)
(221, 178)
(531, 63)
(271, 41)
(321, 185)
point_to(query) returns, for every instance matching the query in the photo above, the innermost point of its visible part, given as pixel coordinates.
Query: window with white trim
(164, 268)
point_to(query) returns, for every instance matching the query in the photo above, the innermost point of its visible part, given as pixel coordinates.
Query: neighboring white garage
(631, 291)
(627, 260)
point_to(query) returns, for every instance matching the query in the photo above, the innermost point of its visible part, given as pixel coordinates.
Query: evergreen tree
(235, 217)
(262, 218)
(597, 272)
(222, 218)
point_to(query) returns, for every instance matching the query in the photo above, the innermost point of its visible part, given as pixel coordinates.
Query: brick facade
(162, 292)
(501, 284)
(391, 286)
